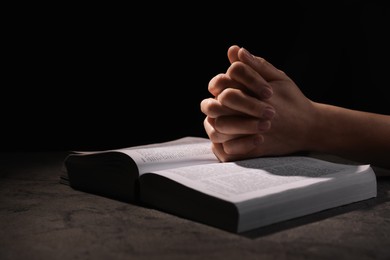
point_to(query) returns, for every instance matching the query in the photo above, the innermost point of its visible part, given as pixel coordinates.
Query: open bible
(183, 177)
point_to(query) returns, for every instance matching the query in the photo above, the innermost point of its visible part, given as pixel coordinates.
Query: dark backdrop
(101, 77)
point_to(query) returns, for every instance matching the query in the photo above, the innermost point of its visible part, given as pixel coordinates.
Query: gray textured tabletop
(41, 218)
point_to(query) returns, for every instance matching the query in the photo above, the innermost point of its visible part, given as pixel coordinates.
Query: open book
(183, 177)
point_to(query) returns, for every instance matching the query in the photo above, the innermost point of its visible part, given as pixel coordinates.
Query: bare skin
(257, 110)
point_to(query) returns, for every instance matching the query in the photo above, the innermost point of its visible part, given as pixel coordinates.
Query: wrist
(320, 129)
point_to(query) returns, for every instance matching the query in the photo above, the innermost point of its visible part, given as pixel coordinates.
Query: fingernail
(264, 125)
(257, 140)
(267, 93)
(268, 113)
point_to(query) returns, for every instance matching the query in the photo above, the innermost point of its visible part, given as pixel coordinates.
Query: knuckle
(210, 107)
(235, 69)
(217, 84)
(228, 96)
(214, 136)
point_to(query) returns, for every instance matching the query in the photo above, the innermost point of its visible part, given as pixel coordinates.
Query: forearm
(356, 135)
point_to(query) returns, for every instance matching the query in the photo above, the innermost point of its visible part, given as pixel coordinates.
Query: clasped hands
(256, 110)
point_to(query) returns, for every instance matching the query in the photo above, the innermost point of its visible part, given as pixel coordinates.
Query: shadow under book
(183, 177)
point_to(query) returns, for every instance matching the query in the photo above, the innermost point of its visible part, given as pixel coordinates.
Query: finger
(221, 82)
(233, 53)
(239, 125)
(214, 135)
(218, 150)
(261, 66)
(243, 146)
(212, 108)
(237, 149)
(245, 75)
(238, 101)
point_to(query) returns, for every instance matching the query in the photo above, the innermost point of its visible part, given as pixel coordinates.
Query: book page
(178, 153)
(247, 179)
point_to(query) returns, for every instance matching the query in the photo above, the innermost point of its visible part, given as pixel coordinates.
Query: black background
(100, 77)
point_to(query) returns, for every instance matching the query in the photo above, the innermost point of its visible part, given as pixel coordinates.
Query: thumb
(260, 65)
(233, 53)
